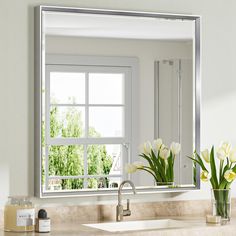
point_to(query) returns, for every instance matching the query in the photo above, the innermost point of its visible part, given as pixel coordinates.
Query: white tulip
(164, 153)
(138, 164)
(157, 144)
(175, 148)
(130, 168)
(232, 155)
(221, 154)
(226, 147)
(163, 146)
(205, 176)
(146, 148)
(229, 175)
(205, 155)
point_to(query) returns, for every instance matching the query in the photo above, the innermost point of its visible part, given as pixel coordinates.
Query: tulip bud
(130, 168)
(147, 148)
(232, 155)
(221, 154)
(138, 164)
(229, 175)
(226, 147)
(205, 155)
(175, 148)
(205, 176)
(164, 153)
(157, 144)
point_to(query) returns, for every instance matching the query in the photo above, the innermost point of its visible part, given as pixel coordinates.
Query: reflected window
(85, 124)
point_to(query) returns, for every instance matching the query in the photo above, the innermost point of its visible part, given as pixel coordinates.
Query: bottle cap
(42, 214)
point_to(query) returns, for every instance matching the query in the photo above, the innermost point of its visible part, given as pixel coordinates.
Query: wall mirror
(107, 81)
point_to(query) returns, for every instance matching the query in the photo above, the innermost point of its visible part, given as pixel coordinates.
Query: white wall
(17, 83)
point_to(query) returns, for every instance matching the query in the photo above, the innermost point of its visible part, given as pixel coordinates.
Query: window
(86, 123)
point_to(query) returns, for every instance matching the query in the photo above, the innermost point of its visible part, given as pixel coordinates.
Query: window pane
(104, 182)
(106, 88)
(67, 88)
(104, 159)
(67, 122)
(65, 184)
(106, 121)
(66, 160)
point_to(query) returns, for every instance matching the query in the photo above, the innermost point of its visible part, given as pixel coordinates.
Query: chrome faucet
(120, 212)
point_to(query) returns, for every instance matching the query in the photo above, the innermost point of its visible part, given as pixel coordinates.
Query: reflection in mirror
(176, 109)
(110, 81)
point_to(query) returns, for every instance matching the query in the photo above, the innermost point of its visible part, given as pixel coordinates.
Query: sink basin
(139, 225)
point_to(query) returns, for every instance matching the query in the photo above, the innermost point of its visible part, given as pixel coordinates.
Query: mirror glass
(107, 82)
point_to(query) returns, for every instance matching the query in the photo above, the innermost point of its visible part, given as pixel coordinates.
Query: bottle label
(44, 225)
(25, 217)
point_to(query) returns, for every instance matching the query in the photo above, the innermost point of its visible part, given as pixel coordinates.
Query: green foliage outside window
(67, 160)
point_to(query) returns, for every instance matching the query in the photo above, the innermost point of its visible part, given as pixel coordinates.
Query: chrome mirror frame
(39, 70)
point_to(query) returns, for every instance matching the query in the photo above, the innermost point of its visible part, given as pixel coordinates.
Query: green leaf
(213, 169)
(227, 167)
(234, 168)
(221, 176)
(223, 184)
(164, 165)
(170, 168)
(156, 173)
(227, 161)
(213, 183)
(152, 163)
(227, 186)
(148, 160)
(145, 168)
(200, 160)
(199, 163)
(159, 166)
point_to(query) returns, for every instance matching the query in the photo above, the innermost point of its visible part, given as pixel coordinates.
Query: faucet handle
(127, 212)
(128, 204)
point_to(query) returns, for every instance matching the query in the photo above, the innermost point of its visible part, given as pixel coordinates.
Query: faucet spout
(122, 185)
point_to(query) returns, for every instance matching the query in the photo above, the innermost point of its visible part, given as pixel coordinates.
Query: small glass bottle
(43, 223)
(19, 214)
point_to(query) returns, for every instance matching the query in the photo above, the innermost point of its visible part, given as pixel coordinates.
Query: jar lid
(19, 197)
(19, 200)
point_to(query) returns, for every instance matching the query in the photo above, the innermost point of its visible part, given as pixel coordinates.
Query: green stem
(220, 172)
(150, 173)
(221, 203)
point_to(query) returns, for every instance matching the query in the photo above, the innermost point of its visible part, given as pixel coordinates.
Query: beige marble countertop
(197, 226)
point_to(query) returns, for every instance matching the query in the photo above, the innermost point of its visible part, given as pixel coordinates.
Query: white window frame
(129, 141)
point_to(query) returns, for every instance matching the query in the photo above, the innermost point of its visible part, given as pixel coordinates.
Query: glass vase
(221, 203)
(164, 184)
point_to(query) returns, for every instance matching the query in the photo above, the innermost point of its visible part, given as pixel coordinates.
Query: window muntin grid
(86, 139)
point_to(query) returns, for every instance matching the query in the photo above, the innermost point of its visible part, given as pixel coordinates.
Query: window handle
(126, 145)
